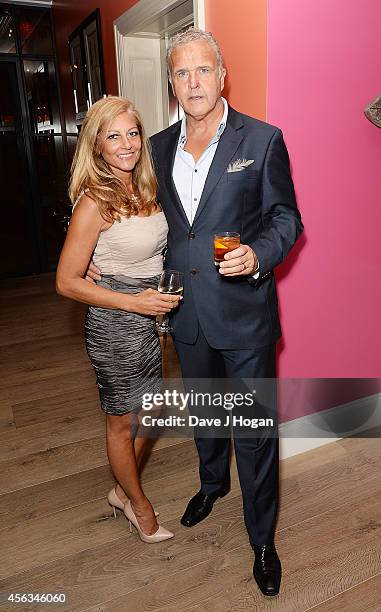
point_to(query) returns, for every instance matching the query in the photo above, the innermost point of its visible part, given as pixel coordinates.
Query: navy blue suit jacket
(259, 203)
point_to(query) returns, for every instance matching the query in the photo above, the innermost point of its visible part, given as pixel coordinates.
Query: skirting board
(320, 428)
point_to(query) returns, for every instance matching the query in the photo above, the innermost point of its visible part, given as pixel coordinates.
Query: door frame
(131, 24)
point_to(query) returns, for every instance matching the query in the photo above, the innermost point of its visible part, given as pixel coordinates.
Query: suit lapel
(169, 160)
(227, 146)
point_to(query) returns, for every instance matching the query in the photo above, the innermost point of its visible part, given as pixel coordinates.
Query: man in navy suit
(219, 170)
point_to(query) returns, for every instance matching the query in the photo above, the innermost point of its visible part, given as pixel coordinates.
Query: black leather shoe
(199, 507)
(267, 569)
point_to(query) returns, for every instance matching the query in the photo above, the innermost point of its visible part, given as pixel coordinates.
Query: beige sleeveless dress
(124, 347)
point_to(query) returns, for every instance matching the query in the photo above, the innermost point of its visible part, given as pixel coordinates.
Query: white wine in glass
(171, 282)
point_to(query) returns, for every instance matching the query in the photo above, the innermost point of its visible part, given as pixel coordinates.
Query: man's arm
(281, 219)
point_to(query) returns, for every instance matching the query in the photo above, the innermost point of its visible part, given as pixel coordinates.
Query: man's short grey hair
(193, 34)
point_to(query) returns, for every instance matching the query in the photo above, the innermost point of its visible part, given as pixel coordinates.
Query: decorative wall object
(373, 111)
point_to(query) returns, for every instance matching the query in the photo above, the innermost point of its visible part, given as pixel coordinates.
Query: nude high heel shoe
(160, 535)
(115, 502)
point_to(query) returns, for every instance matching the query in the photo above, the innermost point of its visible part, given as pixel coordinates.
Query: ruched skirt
(124, 349)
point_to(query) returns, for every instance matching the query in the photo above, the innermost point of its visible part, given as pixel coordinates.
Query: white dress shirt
(190, 176)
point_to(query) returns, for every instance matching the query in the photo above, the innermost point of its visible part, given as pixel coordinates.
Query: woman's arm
(84, 229)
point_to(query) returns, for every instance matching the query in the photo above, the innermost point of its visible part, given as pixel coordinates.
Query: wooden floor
(57, 533)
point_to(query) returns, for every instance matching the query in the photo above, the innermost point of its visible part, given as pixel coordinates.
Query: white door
(140, 40)
(142, 79)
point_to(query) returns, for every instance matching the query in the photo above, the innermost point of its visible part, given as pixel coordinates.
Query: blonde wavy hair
(90, 172)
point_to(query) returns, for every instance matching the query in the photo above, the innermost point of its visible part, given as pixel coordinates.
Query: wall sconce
(373, 111)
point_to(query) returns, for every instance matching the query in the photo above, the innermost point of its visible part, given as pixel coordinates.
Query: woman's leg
(141, 446)
(120, 432)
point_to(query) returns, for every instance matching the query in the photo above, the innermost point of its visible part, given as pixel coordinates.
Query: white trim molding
(121, 73)
(199, 13)
(136, 19)
(41, 3)
(355, 418)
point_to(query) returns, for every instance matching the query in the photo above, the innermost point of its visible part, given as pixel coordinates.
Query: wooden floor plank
(84, 402)
(48, 498)
(58, 462)
(363, 597)
(308, 575)
(33, 543)
(70, 491)
(130, 564)
(329, 485)
(41, 323)
(293, 466)
(7, 417)
(52, 463)
(44, 360)
(170, 496)
(56, 522)
(358, 444)
(39, 438)
(337, 481)
(73, 530)
(86, 486)
(38, 389)
(17, 289)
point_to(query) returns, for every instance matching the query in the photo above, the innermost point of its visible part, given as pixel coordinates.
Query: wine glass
(171, 281)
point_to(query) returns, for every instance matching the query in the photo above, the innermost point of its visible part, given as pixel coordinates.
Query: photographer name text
(195, 421)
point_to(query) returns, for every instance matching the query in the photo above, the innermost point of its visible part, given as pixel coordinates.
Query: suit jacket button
(194, 271)
(191, 236)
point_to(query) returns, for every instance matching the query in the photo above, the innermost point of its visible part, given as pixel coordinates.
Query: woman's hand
(151, 302)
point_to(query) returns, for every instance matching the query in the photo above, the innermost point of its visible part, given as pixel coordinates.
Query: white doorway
(141, 36)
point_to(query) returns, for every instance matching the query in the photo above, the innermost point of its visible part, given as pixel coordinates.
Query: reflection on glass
(48, 156)
(78, 71)
(93, 62)
(71, 146)
(7, 104)
(54, 202)
(35, 31)
(7, 32)
(16, 233)
(42, 96)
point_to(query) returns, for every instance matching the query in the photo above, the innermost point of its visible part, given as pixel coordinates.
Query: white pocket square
(239, 164)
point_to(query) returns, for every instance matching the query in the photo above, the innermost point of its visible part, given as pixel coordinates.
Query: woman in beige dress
(118, 221)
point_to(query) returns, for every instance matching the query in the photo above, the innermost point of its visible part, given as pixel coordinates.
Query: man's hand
(241, 261)
(93, 273)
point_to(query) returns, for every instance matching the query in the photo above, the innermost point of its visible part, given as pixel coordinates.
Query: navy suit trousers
(257, 457)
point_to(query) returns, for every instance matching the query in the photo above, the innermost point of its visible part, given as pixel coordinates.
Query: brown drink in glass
(224, 242)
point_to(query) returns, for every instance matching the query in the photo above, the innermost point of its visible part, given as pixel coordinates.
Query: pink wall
(324, 66)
